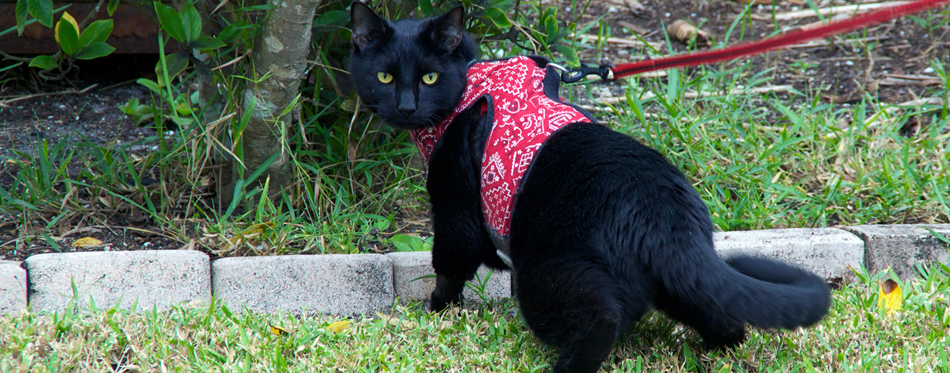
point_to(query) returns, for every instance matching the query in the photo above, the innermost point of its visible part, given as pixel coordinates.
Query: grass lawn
(782, 158)
(779, 159)
(855, 337)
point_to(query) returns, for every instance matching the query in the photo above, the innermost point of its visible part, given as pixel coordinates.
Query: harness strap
(751, 48)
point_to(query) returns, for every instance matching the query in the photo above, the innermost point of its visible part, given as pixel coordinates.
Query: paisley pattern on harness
(523, 118)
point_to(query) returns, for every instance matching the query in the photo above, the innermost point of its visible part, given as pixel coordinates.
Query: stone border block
(902, 247)
(336, 284)
(826, 251)
(12, 288)
(148, 278)
(408, 266)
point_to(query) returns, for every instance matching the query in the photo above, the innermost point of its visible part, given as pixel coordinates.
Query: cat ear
(449, 30)
(367, 26)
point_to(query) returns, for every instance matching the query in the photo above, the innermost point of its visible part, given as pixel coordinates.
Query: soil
(896, 69)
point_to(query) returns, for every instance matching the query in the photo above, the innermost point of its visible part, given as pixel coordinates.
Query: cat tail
(757, 291)
(794, 296)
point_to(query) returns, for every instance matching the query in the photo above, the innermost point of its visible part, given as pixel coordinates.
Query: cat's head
(410, 72)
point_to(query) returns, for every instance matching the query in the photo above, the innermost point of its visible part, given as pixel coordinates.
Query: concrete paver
(364, 283)
(902, 247)
(336, 284)
(826, 251)
(12, 288)
(159, 278)
(408, 267)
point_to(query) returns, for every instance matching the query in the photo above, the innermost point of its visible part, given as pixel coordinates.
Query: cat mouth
(412, 122)
(407, 124)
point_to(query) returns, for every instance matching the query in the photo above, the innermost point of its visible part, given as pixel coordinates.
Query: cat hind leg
(716, 332)
(573, 307)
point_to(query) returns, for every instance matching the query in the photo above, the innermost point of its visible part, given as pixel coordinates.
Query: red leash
(751, 48)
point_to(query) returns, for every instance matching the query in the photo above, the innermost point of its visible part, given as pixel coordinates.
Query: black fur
(603, 227)
(409, 49)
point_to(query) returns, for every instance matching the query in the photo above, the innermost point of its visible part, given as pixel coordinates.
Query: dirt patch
(83, 110)
(70, 117)
(890, 61)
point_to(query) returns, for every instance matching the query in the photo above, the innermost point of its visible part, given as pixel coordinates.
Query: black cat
(601, 228)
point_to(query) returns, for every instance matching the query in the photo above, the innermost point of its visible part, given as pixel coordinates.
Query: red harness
(523, 117)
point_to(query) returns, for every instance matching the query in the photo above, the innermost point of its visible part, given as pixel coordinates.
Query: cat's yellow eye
(430, 78)
(386, 78)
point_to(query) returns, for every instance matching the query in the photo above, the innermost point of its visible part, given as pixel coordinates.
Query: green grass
(854, 337)
(779, 160)
(759, 161)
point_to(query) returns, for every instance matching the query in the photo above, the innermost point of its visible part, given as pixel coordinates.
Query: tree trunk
(279, 59)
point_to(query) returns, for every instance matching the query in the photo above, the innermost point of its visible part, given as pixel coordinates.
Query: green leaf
(139, 112)
(404, 242)
(113, 5)
(235, 30)
(498, 17)
(94, 50)
(21, 12)
(68, 37)
(332, 18)
(206, 42)
(569, 54)
(551, 29)
(170, 21)
(426, 7)
(175, 63)
(148, 83)
(44, 62)
(183, 109)
(547, 13)
(42, 10)
(129, 107)
(97, 31)
(190, 23)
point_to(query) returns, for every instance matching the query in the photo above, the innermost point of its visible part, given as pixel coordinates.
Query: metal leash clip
(573, 75)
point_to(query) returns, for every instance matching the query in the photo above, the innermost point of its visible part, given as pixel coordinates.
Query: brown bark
(279, 64)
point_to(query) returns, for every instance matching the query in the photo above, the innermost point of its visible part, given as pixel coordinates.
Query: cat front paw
(441, 301)
(447, 291)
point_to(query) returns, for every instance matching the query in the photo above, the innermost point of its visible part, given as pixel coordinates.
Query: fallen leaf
(251, 233)
(86, 242)
(635, 6)
(391, 320)
(683, 31)
(189, 246)
(338, 326)
(352, 152)
(278, 330)
(891, 296)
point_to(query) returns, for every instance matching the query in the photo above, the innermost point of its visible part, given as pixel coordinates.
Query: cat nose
(407, 103)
